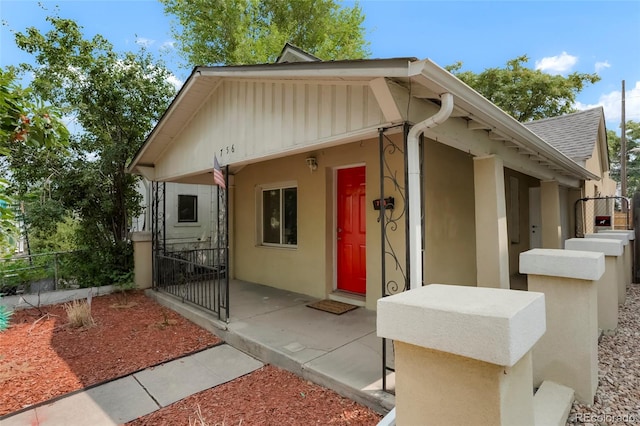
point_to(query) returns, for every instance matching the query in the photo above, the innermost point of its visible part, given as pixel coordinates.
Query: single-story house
(582, 136)
(355, 179)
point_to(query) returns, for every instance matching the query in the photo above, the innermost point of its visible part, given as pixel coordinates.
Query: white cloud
(602, 65)
(612, 103)
(145, 42)
(557, 64)
(177, 83)
(168, 45)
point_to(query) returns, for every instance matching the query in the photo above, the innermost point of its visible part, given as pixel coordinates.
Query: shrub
(5, 315)
(79, 314)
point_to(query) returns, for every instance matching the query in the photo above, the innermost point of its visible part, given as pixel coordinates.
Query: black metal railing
(394, 225)
(194, 277)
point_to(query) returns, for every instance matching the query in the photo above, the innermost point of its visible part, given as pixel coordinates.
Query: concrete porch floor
(340, 352)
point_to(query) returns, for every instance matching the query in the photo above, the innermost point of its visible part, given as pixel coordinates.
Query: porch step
(346, 297)
(236, 334)
(551, 404)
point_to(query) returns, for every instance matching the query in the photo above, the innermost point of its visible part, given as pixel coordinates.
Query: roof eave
(492, 113)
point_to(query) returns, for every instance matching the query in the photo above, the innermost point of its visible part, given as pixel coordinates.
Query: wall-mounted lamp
(312, 163)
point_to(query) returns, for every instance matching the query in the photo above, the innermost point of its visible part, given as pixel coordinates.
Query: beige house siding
(245, 120)
(450, 249)
(309, 267)
(606, 186)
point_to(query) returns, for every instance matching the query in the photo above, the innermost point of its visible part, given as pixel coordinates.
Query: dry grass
(79, 314)
(200, 420)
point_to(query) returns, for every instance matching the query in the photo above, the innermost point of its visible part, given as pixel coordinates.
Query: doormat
(332, 306)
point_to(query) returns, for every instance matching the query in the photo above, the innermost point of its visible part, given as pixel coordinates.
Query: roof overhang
(484, 115)
(427, 80)
(203, 81)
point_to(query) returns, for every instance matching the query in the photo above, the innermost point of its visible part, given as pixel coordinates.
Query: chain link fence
(602, 213)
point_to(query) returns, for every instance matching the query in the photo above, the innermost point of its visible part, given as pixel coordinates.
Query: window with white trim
(279, 216)
(187, 208)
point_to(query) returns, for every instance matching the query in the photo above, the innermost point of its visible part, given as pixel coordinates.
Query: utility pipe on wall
(415, 200)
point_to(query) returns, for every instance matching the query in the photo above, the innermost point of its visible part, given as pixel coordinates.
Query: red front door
(351, 230)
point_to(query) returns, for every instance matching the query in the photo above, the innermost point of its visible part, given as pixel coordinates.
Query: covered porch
(341, 352)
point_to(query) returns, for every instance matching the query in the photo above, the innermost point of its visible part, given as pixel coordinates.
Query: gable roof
(575, 135)
(425, 79)
(291, 53)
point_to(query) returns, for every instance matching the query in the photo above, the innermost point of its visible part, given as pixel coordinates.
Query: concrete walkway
(267, 325)
(139, 394)
(340, 352)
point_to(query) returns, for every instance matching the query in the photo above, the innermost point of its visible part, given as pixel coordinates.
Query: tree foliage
(213, 32)
(26, 124)
(633, 156)
(526, 94)
(114, 99)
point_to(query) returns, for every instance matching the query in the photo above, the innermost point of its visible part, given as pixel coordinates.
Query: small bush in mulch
(5, 316)
(79, 314)
(42, 357)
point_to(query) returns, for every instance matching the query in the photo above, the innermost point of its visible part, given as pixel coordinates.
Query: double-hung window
(187, 208)
(280, 215)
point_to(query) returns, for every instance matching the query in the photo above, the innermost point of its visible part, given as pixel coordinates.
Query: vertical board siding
(266, 117)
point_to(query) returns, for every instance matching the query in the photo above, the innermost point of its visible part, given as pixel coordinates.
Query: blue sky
(558, 37)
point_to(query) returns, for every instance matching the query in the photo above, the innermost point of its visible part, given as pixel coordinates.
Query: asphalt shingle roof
(575, 135)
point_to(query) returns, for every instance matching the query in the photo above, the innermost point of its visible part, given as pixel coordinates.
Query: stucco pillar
(623, 264)
(550, 214)
(568, 352)
(142, 259)
(492, 240)
(608, 285)
(629, 255)
(462, 354)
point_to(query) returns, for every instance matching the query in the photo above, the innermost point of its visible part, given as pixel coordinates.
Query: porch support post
(567, 354)
(609, 283)
(446, 371)
(629, 255)
(492, 248)
(142, 259)
(624, 265)
(550, 214)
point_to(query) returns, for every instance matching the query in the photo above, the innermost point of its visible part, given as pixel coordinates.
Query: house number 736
(228, 149)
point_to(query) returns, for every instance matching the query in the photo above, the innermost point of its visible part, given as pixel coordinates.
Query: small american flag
(218, 177)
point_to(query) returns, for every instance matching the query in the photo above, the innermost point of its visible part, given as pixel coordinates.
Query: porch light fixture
(312, 163)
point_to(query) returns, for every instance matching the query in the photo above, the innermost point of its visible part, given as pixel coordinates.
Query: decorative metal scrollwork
(392, 181)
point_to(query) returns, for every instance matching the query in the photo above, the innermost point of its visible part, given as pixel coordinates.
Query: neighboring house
(312, 148)
(189, 214)
(582, 136)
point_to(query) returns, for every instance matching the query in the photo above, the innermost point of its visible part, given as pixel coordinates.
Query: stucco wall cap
(611, 236)
(498, 326)
(583, 265)
(630, 232)
(607, 246)
(141, 236)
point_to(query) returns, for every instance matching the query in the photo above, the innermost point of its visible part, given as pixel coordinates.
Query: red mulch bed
(42, 357)
(268, 396)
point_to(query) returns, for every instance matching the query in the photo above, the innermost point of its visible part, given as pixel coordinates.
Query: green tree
(26, 124)
(214, 32)
(526, 94)
(115, 99)
(633, 156)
